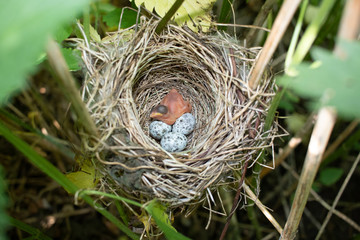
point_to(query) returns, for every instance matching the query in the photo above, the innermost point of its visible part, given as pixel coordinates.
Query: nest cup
(131, 70)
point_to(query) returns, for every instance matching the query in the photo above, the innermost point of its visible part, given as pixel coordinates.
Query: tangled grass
(131, 70)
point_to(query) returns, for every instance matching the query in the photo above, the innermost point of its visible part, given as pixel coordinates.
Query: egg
(184, 124)
(158, 129)
(173, 142)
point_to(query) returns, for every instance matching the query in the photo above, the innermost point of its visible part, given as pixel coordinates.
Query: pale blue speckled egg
(158, 129)
(184, 124)
(173, 142)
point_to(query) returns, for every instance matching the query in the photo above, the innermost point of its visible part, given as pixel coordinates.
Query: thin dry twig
(68, 85)
(282, 20)
(318, 198)
(292, 144)
(317, 145)
(333, 146)
(235, 202)
(262, 208)
(259, 21)
(337, 198)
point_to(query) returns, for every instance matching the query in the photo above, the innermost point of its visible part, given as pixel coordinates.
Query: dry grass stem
(337, 198)
(317, 145)
(323, 203)
(281, 22)
(262, 208)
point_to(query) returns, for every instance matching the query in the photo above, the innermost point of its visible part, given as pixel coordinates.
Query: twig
(341, 138)
(318, 142)
(292, 144)
(323, 202)
(283, 19)
(337, 198)
(235, 202)
(67, 82)
(263, 208)
(259, 20)
(350, 23)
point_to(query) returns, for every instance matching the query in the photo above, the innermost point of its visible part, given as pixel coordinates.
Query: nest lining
(129, 73)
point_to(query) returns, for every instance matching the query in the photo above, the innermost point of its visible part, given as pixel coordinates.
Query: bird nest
(131, 70)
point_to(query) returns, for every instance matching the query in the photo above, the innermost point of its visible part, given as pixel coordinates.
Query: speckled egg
(158, 129)
(184, 124)
(173, 142)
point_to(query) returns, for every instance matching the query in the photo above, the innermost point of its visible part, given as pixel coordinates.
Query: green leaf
(128, 19)
(329, 176)
(331, 80)
(85, 178)
(193, 13)
(158, 212)
(63, 32)
(72, 58)
(25, 27)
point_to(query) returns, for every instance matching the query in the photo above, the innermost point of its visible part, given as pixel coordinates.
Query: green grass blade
(295, 36)
(121, 212)
(37, 160)
(225, 13)
(272, 110)
(112, 196)
(312, 31)
(157, 211)
(60, 178)
(3, 204)
(36, 233)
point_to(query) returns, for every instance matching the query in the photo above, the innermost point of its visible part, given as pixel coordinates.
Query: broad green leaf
(330, 81)
(85, 178)
(191, 12)
(63, 32)
(72, 58)
(158, 212)
(329, 176)
(128, 18)
(25, 27)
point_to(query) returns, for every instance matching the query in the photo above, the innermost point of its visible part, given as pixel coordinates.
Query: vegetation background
(40, 140)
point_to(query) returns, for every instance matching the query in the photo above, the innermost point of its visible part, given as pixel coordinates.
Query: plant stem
(282, 20)
(317, 145)
(68, 86)
(49, 169)
(160, 27)
(312, 31)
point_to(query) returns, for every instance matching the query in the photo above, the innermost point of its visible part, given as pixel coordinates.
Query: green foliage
(329, 176)
(3, 204)
(34, 232)
(158, 212)
(63, 32)
(25, 27)
(288, 101)
(295, 122)
(128, 18)
(72, 58)
(225, 13)
(331, 80)
(60, 178)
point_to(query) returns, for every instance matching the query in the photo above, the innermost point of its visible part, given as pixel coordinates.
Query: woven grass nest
(133, 69)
